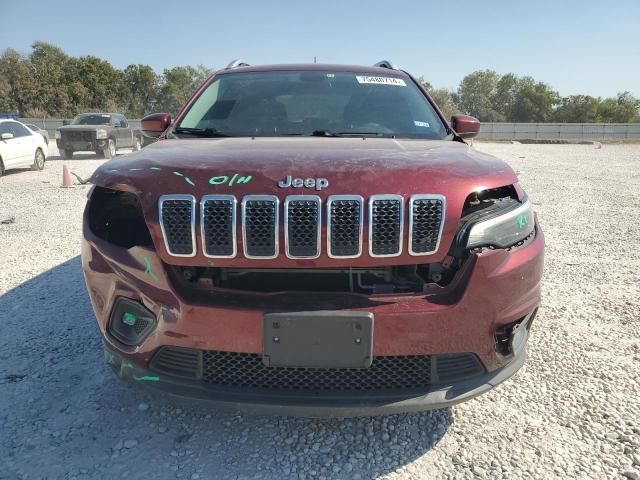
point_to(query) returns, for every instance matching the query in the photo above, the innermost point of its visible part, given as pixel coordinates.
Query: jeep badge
(318, 183)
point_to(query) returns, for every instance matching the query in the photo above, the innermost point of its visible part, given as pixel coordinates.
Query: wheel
(110, 150)
(137, 144)
(66, 153)
(1, 167)
(38, 161)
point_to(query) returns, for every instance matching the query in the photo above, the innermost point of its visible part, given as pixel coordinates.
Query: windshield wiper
(201, 132)
(329, 133)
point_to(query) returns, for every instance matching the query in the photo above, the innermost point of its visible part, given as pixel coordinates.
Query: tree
(444, 100)
(504, 96)
(577, 109)
(16, 82)
(105, 86)
(475, 95)
(533, 101)
(179, 83)
(623, 109)
(49, 66)
(143, 87)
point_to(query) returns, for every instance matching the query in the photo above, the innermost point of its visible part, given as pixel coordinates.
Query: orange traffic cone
(66, 177)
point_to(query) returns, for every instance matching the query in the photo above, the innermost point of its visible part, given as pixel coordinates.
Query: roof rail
(386, 64)
(236, 63)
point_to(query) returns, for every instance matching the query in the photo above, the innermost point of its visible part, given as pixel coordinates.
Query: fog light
(130, 322)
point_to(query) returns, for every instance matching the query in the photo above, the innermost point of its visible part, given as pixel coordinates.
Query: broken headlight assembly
(504, 226)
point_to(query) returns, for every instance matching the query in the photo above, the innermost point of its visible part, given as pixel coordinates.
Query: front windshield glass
(91, 119)
(313, 102)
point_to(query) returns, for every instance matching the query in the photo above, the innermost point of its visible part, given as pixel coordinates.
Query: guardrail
(488, 131)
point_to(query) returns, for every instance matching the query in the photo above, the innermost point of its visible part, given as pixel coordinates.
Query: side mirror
(123, 124)
(465, 126)
(154, 125)
(6, 136)
(65, 122)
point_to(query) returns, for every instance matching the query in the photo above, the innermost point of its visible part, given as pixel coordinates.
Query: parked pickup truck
(103, 133)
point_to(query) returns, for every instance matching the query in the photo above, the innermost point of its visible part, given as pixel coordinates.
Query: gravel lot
(572, 412)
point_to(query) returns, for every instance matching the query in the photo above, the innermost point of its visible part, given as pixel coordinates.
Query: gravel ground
(572, 412)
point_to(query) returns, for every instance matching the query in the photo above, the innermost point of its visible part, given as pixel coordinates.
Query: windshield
(312, 103)
(91, 120)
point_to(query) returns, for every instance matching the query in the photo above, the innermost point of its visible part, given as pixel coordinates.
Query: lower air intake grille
(302, 214)
(385, 225)
(246, 371)
(425, 224)
(345, 226)
(179, 362)
(455, 367)
(218, 225)
(260, 222)
(177, 217)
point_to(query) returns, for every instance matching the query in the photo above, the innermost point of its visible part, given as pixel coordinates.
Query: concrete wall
(489, 131)
(560, 131)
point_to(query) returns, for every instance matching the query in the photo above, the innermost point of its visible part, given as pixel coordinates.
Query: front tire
(110, 150)
(38, 161)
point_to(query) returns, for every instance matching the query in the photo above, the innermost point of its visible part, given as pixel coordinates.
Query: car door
(11, 149)
(26, 144)
(125, 139)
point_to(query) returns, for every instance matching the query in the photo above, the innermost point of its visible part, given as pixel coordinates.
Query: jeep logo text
(317, 183)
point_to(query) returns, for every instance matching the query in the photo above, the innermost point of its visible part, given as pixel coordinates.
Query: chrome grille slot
(218, 224)
(426, 221)
(302, 226)
(344, 226)
(385, 225)
(260, 226)
(177, 220)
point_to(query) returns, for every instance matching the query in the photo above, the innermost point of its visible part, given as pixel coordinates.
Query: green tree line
(49, 83)
(492, 97)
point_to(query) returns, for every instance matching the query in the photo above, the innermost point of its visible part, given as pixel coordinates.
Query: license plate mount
(323, 339)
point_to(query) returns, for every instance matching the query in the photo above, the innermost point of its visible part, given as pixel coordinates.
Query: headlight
(101, 133)
(504, 230)
(57, 134)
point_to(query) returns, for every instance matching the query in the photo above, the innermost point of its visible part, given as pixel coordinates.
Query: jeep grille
(303, 219)
(177, 218)
(218, 224)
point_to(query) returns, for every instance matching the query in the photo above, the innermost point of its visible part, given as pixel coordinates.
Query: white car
(21, 147)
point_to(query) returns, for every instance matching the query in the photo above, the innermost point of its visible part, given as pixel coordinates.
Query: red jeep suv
(312, 240)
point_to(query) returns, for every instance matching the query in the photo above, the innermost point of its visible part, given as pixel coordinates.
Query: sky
(578, 47)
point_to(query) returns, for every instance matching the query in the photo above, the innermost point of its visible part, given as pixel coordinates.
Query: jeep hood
(244, 166)
(351, 165)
